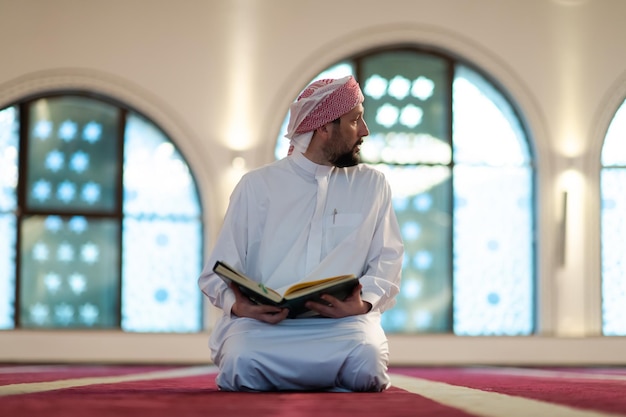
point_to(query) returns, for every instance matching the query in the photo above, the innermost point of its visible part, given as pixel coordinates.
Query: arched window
(100, 218)
(613, 226)
(458, 160)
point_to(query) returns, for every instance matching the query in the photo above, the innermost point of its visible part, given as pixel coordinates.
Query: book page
(322, 283)
(227, 272)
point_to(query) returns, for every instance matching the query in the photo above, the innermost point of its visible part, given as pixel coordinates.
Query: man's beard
(346, 159)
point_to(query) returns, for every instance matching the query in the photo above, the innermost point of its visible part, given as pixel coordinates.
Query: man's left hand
(353, 305)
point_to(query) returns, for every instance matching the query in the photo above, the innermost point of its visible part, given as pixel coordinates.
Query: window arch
(103, 219)
(613, 225)
(458, 159)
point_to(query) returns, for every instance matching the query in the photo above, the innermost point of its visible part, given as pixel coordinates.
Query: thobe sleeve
(381, 279)
(229, 247)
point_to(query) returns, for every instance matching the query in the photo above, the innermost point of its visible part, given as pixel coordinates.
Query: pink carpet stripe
(614, 374)
(34, 387)
(29, 374)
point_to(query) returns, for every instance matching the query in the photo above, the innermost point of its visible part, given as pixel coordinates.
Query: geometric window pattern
(9, 151)
(103, 221)
(613, 226)
(72, 161)
(459, 165)
(493, 212)
(162, 234)
(67, 273)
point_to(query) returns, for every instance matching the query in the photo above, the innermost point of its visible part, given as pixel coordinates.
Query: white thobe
(294, 221)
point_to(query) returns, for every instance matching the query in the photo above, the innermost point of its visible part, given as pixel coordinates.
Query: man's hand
(243, 307)
(351, 306)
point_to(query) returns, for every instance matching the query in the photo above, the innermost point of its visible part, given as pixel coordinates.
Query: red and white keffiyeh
(321, 102)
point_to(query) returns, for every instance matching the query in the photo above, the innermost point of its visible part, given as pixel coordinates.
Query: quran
(295, 297)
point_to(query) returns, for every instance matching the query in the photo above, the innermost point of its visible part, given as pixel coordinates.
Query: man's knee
(240, 370)
(366, 369)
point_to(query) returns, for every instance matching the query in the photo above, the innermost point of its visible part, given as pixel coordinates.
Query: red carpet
(97, 391)
(596, 389)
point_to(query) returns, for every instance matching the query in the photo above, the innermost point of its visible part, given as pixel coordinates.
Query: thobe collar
(319, 175)
(308, 168)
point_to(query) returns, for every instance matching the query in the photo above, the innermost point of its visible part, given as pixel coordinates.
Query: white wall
(219, 75)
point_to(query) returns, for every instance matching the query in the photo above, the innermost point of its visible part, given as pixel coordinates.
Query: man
(314, 214)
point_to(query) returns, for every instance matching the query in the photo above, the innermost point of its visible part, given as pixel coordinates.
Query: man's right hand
(243, 307)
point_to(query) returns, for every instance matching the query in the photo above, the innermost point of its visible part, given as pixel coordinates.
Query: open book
(295, 297)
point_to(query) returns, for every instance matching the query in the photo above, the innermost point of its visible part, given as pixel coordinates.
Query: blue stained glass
(55, 160)
(92, 132)
(613, 181)
(486, 129)
(493, 251)
(64, 163)
(42, 129)
(69, 278)
(70, 264)
(423, 202)
(9, 149)
(404, 112)
(422, 205)
(422, 260)
(375, 87)
(67, 131)
(162, 260)
(53, 223)
(493, 298)
(399, 87)
(7, 271)
(411, 230)
(79, 162)
(66, 191)
(41, 190)
(156, 178)
(613, 226)
(422, 88)
(78, 224)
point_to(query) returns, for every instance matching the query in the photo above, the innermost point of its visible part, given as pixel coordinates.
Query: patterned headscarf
(321, 102)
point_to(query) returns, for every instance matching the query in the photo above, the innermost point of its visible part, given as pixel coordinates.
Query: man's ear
(325, 130)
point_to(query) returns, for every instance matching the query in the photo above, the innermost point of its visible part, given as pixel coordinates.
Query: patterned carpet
(96, 391)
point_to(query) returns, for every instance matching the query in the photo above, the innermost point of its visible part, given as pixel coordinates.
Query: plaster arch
(136, 98)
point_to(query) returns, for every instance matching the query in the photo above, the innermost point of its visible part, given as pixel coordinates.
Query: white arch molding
(128, 93)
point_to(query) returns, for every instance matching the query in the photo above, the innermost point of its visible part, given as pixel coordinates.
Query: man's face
(343, 146)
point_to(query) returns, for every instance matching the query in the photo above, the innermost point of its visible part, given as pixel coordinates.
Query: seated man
(314, 214)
